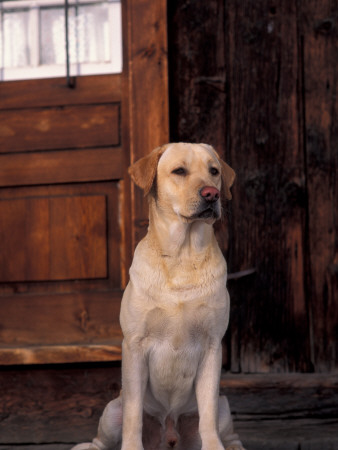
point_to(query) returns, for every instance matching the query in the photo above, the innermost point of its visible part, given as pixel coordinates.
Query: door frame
(145, 82)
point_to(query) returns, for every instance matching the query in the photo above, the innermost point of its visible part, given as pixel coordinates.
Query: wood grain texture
(60, 404)
(145, 31)
(54, 404)
(68, 166)
(62, 354)
(63, 171)
(73, 318)
(108, 190)
(54, 91)
(38, 447)
(300, 396)
(80, 311)
(269, 327)
(319, 33)
(277, 107)
(250, 106)
(197, 68)
(197, 82)
(59, 128)
(55, 238)
(300, 434)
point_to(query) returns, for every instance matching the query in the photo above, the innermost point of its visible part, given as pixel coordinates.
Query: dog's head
(189, 180)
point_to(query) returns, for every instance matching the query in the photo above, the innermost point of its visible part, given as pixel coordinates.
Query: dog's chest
(183, 324)
(181, 300)
(176, 339)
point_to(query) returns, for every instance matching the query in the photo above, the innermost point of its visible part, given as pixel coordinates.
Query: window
(33, 38)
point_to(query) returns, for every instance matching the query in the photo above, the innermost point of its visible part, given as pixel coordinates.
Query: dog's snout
(210, 194)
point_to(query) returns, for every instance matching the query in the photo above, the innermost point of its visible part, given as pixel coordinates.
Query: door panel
(53, 238)
(68, 233)
(60, 328)
(64, 319)
(67, 166)
(60, 271)
(50, 92)
(60, 127)
(67, 209)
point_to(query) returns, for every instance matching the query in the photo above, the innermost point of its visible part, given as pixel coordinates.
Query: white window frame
(35, 70)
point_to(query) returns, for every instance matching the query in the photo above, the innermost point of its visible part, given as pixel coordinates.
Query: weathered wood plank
(38, 447)
(51, 92)
(63, 404)
(110, 191)
(59, 128)
(268, 326)
(197, 85)
(80, 311)
(258, 435)
(75, 318)
(61, 354)
(145, 31)
(54, 404)
(45, 115)
(310, 434)
(67, 166)
(283, 396)
(56, 238)
(319, 27)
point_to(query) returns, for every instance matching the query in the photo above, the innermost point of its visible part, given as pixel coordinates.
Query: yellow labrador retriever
(174, 312)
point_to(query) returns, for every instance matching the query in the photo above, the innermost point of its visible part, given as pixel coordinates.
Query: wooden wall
(258, 80)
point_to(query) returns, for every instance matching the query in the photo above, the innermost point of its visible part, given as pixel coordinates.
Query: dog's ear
(228, 178)
(143, 171)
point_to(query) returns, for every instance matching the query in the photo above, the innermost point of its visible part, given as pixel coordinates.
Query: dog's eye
(214, 171)
(179, 171)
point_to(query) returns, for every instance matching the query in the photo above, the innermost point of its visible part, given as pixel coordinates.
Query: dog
(174, 312)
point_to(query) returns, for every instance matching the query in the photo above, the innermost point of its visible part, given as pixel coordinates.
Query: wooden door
(69, 217)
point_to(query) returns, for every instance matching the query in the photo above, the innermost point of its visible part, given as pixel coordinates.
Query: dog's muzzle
(210, 206)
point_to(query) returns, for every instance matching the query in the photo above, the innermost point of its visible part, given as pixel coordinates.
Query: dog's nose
(210, 194)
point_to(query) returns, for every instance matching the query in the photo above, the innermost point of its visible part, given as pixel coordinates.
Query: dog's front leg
(207, 393)
(134, 381)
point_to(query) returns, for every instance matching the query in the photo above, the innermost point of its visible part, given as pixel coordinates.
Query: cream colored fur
(174, 312)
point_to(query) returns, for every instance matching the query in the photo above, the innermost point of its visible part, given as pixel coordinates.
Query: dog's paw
(85, 446)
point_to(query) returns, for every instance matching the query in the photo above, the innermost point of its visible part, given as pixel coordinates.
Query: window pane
(52, 35)
(15, 38)
(93, 34)
(32, 38)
